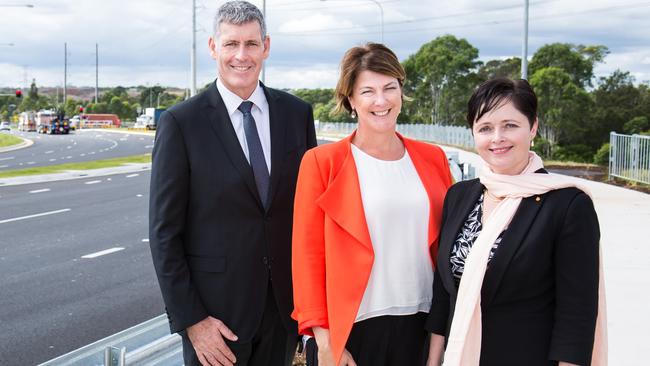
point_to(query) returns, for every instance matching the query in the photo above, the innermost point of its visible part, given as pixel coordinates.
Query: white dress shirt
(260, 112)
(396, 207)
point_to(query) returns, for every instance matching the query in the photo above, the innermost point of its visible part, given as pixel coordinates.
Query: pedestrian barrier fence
(629, 157)
(148, 343)
(448, 135)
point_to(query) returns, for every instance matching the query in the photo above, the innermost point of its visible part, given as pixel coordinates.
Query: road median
(76, 170)
(11, 142)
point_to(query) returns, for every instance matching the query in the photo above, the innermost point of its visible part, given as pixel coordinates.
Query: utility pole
(96, 73)
(193, 52)
(65, 72)
(267, 31)
(524, 48)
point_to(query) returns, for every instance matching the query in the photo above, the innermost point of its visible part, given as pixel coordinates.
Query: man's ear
(212, 45)
(267, 46)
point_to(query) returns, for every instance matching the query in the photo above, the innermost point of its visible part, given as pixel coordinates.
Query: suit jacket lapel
(278, 141)
(455, 218)
(511, 241)
(342, 202)
(222, 126)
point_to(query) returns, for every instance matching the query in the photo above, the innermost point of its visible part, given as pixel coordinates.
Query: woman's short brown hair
(372, 57)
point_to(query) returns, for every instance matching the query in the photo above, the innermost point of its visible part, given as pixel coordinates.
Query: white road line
(145, 240)
(69, 147)
(4, 166)
(52, 159)
(83, 154)
(34, 215)
(148, 147)
(31, 163)
(49, 151)
(68, 157)
(103, 252)
(138, 195)
(123, 139)
(91, 153)
(9, 158)
(132, 175)
(93, 182)
(109, 179)
(40, 190)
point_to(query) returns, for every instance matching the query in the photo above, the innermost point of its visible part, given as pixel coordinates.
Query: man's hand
(207, 339)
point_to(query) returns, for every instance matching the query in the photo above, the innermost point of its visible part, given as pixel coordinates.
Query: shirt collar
(232, 100)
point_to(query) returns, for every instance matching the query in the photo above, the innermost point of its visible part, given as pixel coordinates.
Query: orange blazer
(332, 252)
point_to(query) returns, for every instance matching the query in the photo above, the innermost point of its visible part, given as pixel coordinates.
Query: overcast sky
(147, 42)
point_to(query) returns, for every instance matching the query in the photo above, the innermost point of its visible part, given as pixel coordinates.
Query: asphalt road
(79, 146)
(58, 292)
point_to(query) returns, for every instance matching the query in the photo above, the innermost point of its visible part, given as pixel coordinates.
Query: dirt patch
(598, 174)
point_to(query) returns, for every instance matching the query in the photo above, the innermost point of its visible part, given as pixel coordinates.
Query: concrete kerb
(22, 145)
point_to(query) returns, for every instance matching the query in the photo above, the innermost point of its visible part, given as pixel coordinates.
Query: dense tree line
(576, 110)
(114, 100)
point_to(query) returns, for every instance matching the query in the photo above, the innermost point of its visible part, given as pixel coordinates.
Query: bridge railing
(629, 157)
(447, 135)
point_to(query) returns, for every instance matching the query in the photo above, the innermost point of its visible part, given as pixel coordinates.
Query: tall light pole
(524, 47)
(193, 51)
(381, 19)
(267, 31)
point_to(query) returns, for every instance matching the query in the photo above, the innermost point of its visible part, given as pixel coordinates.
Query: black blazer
(539, 298)
(211, 240)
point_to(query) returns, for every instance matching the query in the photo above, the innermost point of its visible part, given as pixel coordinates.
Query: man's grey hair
(237, 13)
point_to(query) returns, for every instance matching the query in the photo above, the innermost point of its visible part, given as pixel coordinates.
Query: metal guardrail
(148, 343)
(629, 157)
(448, 135)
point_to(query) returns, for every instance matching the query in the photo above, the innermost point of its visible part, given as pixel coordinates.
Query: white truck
(149, 119)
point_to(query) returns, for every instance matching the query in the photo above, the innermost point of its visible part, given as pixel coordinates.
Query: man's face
(239, 51)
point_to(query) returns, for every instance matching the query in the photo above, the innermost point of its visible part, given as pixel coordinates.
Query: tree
(578, 61)
(439, 77)
(509, 68)
(561, 106)
(616, 101)
(33, 90)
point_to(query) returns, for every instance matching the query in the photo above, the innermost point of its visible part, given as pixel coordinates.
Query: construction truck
(27, 122)
(149, 119)
(48, 121)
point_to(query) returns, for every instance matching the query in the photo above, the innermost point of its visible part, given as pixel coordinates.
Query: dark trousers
(270, 346)
(384, 341)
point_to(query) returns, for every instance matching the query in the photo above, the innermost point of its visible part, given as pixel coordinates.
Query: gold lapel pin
(537, 199)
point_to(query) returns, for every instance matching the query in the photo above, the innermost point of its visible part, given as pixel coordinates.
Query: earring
(532, 143)
(353, 114)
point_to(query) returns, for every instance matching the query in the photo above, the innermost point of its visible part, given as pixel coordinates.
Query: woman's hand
(436, 350)
(325, 356)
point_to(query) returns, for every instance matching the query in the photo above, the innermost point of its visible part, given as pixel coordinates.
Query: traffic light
(81, 109)
(19, 94)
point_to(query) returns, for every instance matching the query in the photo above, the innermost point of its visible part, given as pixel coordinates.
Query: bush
(578, 153)
(601, 157)
(636, 125)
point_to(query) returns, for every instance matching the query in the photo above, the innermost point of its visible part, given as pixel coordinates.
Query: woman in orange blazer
(366, 222)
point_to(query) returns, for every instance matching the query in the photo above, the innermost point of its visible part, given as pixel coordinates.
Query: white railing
(629, 157)
(447, 135)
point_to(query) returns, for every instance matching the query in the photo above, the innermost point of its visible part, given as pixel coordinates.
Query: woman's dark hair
(493, 93)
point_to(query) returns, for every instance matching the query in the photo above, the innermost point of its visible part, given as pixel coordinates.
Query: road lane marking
(148, 147)
(138, 195)
(34, 215)
(69, 147)
(9, 158)
(40, 190)
(49, 151)
(68, 157)
(132, 175)
(31, 163)
(145, 240)
(52, 159)
(103, 252)
(83, 154)
(4, 166)
(93, 182)
(91, 153)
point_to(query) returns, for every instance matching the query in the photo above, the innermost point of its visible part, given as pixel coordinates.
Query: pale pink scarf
(464, 344)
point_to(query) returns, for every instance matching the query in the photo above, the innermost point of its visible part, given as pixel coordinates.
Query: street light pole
(524, 48)
(267, 30)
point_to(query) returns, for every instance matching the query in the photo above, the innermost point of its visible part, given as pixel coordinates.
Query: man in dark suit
(224, 171)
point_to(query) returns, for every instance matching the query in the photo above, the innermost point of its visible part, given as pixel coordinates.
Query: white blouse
(396, 207)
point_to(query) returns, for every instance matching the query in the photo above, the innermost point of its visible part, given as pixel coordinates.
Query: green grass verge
(9, 140)
(97, 164)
